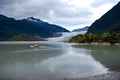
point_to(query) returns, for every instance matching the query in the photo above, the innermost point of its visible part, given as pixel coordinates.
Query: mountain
(10, 27)
(81, 29)
(109, 22)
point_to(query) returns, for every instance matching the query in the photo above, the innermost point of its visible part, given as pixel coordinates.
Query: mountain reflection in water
(62, 60)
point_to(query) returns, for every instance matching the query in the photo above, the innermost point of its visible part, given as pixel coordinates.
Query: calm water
(19, 61)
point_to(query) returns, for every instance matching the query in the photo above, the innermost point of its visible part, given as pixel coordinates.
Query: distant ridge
(109, 22)
(81, 29)
(31, 26)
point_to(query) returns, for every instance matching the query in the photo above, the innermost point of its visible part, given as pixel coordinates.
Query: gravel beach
(108, 76)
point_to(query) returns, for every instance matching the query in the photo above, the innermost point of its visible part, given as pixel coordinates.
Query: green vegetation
(25, 37)
(111, 38)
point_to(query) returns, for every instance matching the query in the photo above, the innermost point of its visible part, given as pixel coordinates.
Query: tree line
(106, 37)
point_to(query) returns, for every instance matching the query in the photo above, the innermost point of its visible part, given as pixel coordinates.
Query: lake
(20, 61)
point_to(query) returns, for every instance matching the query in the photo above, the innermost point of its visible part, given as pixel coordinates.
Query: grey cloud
(30, 8)
(3, 3)
(72, 12)
(71, 22)
(55, 11)
(98, 3)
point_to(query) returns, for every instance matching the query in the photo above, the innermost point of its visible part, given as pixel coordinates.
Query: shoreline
(107, 76)
(98, 43)
(94, 43)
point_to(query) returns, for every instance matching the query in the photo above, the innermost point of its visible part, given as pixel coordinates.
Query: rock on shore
(108, 76)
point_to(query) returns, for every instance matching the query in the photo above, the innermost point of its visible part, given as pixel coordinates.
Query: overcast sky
(70, 14)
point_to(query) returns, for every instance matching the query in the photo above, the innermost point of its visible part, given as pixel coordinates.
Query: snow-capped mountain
(10, 27)
(33, 19)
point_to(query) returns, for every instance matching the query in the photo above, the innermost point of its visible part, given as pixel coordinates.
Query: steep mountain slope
(109, 22)
(30, 26)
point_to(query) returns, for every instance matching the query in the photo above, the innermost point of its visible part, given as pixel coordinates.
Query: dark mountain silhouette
(31, 26)
(109, 22)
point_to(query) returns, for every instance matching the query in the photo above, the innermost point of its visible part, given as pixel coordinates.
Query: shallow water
(18, 61)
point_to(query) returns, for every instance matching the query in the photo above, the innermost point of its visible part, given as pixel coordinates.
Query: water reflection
(109, 56)
(63, 62)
